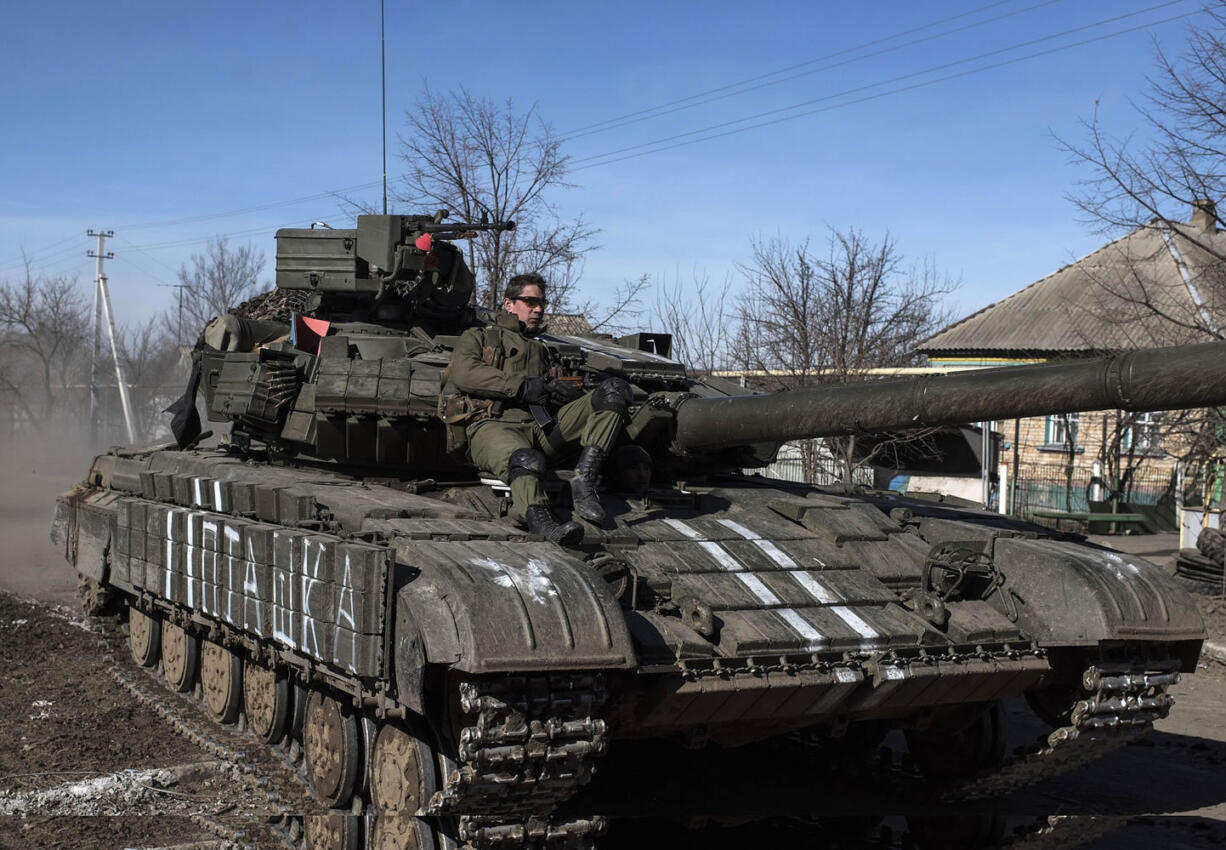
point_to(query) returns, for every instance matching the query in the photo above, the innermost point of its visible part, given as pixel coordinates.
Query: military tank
(333, 573)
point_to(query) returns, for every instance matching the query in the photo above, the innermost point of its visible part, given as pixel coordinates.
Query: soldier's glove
(534, 391)
(562, 392)
(547, 391)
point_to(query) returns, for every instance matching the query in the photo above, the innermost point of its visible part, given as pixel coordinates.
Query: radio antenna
(383, 95)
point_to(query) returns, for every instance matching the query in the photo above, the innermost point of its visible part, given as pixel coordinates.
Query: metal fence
(789, 466)
(1048, 487)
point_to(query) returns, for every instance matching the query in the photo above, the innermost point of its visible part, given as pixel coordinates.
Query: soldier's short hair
(517, 285)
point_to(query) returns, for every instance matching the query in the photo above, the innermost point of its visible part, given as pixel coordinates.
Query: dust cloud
(34, 469)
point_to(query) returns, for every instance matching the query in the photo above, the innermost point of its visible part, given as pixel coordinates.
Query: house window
(1062, 429)
(1142, 436)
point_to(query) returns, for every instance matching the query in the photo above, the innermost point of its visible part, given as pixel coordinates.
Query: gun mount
(355, 272)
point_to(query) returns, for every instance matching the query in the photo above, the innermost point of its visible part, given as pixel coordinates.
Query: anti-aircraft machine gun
(333, 562)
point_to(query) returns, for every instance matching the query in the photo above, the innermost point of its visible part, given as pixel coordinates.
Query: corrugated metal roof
(1128, 294)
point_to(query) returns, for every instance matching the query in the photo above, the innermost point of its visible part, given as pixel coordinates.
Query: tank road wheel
(332, 832)
(402, 771)
(960, 747)
(180, 656)
(402, 832)
(332, 748)
(221, 678)
(144, 637)
(266, 701)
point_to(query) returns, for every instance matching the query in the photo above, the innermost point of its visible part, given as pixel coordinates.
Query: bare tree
(1150, 181)
(150, 357)
(480, 159)
(805, 319)
(219, 279)
(43, 329)
(698, 318)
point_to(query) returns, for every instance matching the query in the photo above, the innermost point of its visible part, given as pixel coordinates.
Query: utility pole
(102, 297)
(93, 351)
(180, 287)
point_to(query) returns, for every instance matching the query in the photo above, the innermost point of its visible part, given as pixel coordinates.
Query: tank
(338, 575)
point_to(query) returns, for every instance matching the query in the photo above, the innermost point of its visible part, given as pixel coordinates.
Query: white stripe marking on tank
(233, 536)
(208, 564)
(755, 585)
(199, 500)
(815, 589)
(217, 495)
(310, 640)
(170, 544)
(347, 614)
(251, 590)
(282, 615)
(188, 555)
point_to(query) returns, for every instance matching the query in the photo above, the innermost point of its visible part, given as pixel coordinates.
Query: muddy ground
(84, 764)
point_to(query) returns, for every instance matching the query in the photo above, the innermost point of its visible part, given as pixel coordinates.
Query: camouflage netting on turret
(276, 305)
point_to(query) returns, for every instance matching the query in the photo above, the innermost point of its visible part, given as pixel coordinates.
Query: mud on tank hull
(441, 664)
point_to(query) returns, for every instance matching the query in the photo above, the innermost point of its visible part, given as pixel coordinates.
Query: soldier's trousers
(490, 444)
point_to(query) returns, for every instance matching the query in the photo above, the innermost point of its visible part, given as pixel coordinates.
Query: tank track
(1123, 705)
(531, 741)
(530, 748)
(175, 709)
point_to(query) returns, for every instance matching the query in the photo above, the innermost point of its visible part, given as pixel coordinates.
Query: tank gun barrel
(1180, 377)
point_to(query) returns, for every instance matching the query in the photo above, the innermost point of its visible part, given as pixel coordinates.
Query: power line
(702, 99)
(138, 249)
(579, 130)
(72, 267)
(258, 208)
(33, 256)
(607, 124)
(605, 158)
(146, 271)
(182, 243)
(885, 93)
(41, 255)
(612, 121)
(658, 145)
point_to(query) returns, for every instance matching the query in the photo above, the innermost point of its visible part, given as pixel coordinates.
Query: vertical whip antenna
(383, 95)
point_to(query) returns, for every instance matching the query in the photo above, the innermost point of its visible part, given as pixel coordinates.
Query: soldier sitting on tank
(524, 418)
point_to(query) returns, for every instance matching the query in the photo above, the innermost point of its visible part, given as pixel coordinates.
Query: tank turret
(354, 369)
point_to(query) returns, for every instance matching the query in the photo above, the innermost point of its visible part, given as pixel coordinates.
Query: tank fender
(1069, 594)
(411, 652)
(488, 606)
(84, 528)
(425, 608)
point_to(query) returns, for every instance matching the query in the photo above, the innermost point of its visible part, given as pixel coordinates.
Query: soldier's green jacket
(492, 362)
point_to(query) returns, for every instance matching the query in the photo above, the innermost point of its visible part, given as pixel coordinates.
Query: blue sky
(131, 114)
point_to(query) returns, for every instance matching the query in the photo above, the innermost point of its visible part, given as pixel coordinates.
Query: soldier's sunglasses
(533, 301)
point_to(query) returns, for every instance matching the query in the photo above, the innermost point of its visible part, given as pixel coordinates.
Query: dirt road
(85, 764)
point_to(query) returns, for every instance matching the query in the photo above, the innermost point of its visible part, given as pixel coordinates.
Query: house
(1161, 284)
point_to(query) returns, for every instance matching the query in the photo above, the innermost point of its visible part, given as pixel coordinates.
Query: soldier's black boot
(583, 485)
(541, 523)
